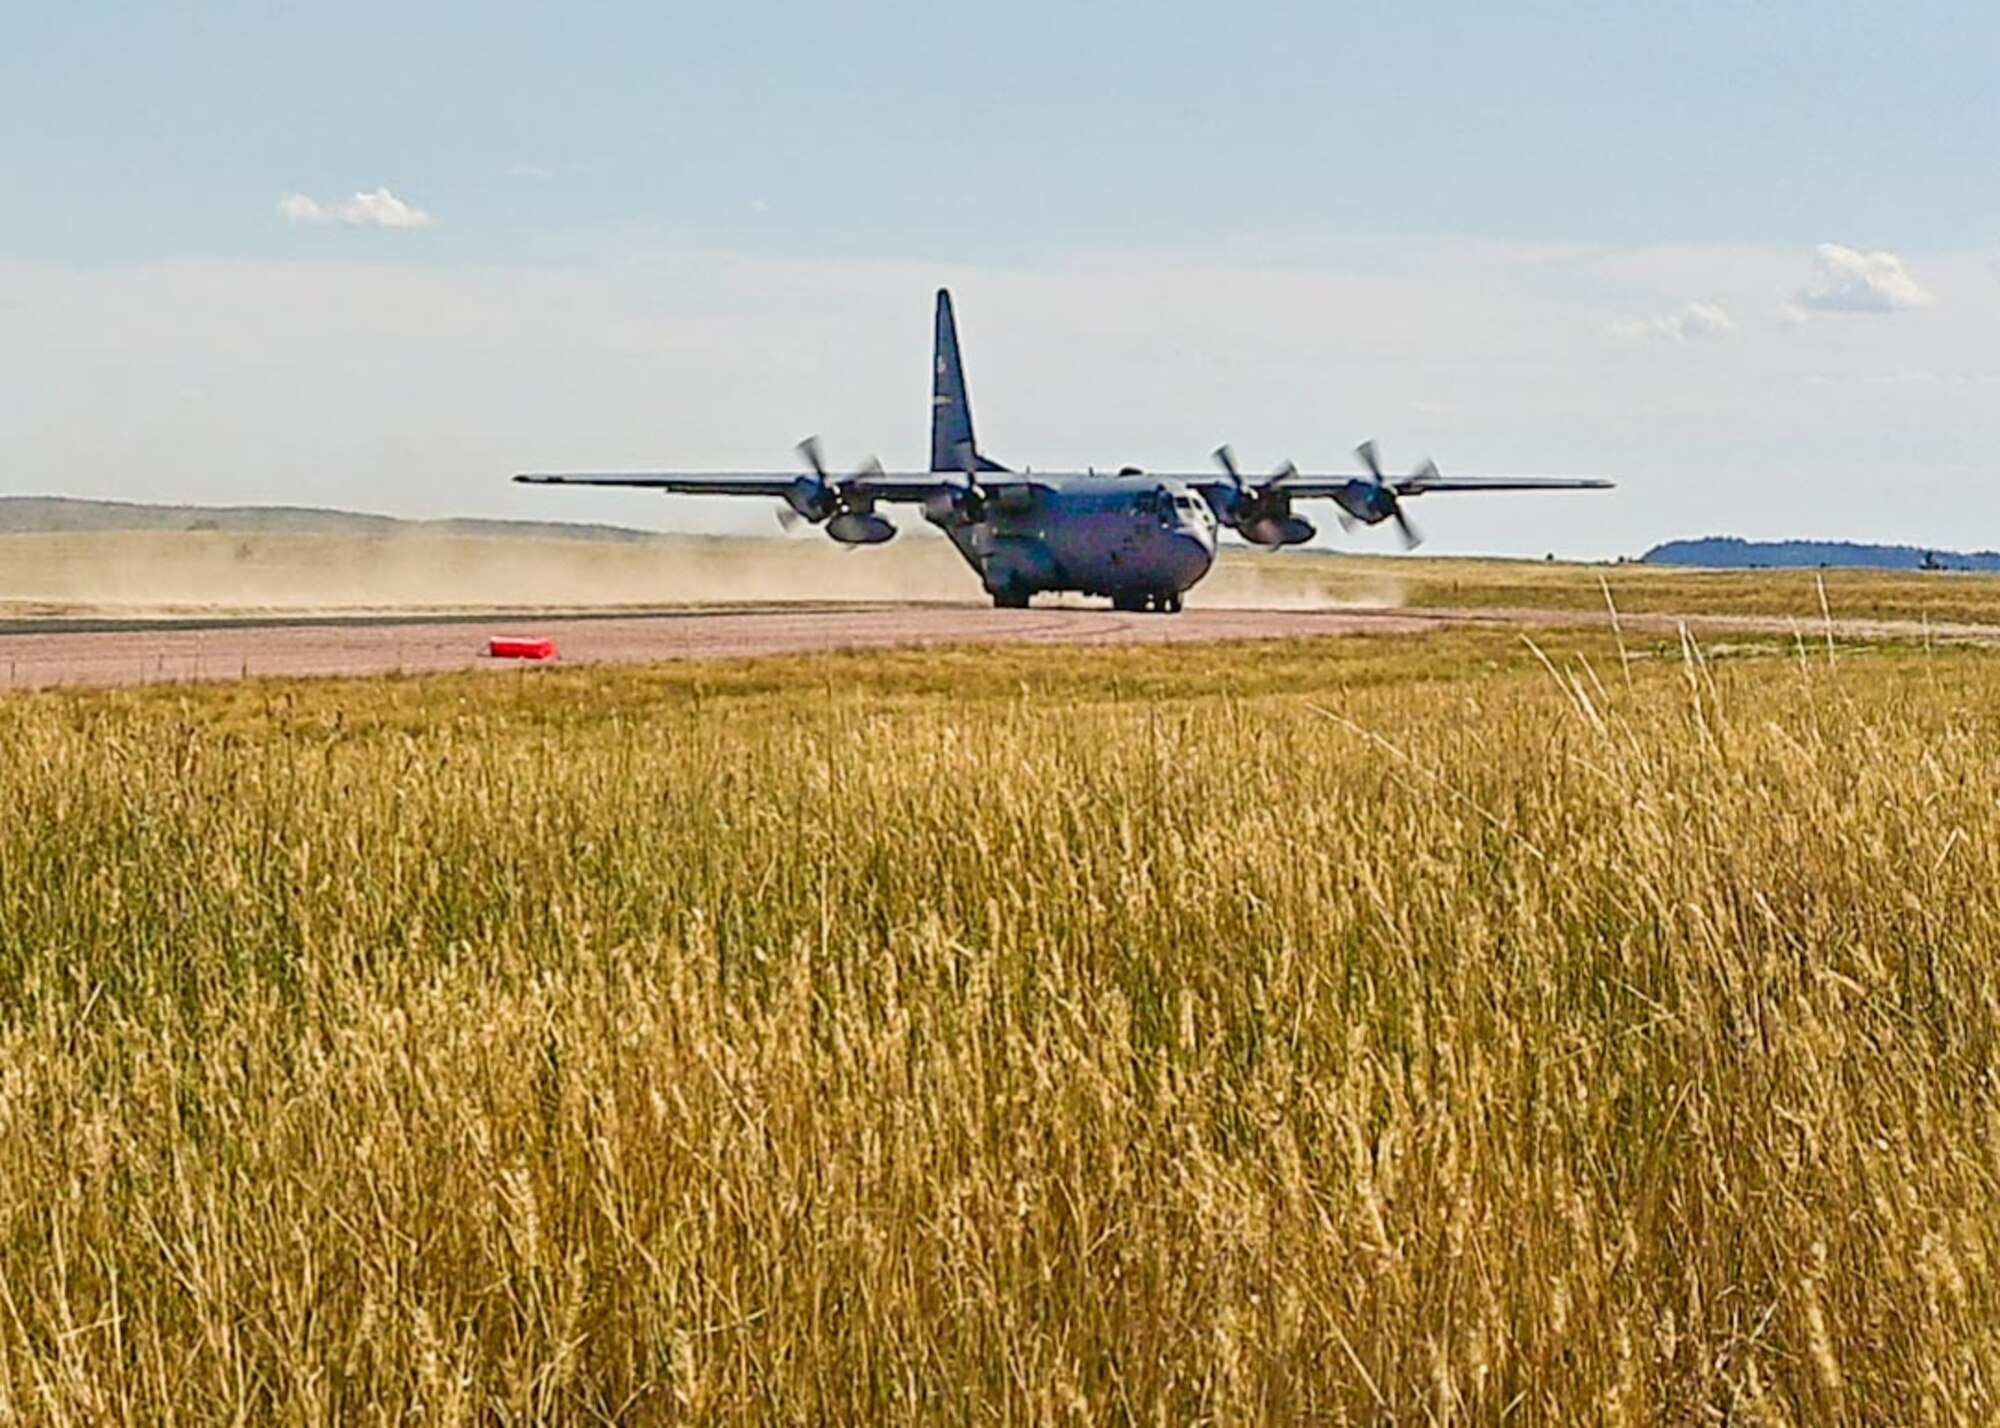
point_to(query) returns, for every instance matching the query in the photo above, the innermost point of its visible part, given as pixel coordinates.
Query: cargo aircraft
(1142, 540)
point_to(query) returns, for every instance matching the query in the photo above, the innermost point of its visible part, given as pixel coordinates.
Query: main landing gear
(1010, 599)
(1164, 602)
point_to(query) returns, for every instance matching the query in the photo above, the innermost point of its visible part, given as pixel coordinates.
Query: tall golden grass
(1941, 598)
(1318, 1032)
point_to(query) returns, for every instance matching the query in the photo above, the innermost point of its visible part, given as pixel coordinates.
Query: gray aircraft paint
(1123, 537)
(953, 447)
(1129, 538)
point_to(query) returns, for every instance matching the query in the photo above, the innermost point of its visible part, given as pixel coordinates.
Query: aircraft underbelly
(1097, 553)
(1114, 553)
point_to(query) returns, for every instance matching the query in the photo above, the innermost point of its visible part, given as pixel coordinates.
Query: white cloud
(1696, 320)
(377, 208)
(1853, 281)
(297, 208)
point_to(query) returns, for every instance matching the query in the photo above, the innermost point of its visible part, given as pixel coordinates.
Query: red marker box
(520, 647)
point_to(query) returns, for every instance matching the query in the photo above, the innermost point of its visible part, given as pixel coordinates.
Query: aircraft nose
(1189, 554)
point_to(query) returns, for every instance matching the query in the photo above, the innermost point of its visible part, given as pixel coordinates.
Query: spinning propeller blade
(809, 449)
(1226, 459)
(1262, 514)
(1386, 494)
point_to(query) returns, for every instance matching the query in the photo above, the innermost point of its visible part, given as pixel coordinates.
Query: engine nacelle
(1369, 502)
(860, 528)
(957, 506)
(812, 498)
(1278, 530)
(1013, 500)
(1265, 518)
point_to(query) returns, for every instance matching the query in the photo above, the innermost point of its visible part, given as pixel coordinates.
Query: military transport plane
(1141, 539)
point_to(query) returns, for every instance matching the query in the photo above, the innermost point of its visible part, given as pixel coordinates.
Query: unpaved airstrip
(173, 606)
(40, 654)
(36, 655)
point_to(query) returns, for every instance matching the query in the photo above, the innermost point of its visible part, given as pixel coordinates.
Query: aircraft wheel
(1171, 602)
(1130, 604)
(1010, 599)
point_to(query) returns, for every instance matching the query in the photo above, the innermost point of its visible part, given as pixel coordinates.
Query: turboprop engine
(1378, 499)
(1262, 514)
(962, 503)
(847, 512)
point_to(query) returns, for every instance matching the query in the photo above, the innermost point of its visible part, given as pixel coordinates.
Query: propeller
(809, 449)
(1226, 459)
(1385, 498)
(847, 512)
(1263, 514)
(823, 497)
(1249, 497)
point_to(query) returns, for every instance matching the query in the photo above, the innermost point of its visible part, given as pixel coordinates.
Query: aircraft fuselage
(1138, 540)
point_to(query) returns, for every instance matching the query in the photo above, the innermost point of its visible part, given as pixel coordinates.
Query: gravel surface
(141, 652)
(41, 654)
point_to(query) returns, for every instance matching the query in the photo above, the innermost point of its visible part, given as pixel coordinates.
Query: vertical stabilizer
(952, 444)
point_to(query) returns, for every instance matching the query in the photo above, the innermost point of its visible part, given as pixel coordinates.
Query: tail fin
(952, 444)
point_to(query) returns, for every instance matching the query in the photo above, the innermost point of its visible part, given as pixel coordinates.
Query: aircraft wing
(1308, 487)
(882, 485)
(1420, 485)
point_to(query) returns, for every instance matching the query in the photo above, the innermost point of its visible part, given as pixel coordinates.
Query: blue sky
(1744, 258)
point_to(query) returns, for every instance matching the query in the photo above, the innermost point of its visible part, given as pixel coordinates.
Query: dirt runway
(38, 655)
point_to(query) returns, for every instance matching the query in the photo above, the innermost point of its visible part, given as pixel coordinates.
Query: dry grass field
(1940, 597)
(1423, 583)
(1323, 1031)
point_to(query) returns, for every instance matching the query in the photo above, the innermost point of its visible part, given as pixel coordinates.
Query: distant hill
(1734, 553)
(35, 515)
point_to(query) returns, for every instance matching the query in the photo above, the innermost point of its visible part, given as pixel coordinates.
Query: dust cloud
(205, 572)
(195, 573)
(1260, 580)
